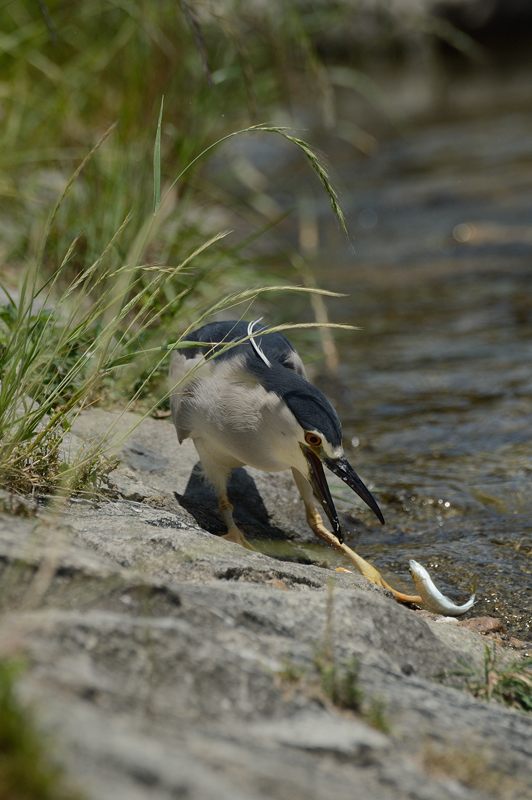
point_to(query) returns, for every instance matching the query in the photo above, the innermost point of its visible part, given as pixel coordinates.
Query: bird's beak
(344, 470)
(318, 481)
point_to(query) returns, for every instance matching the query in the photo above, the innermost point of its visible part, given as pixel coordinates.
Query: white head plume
(256, 345)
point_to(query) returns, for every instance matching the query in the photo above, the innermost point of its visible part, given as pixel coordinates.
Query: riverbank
(170, 663)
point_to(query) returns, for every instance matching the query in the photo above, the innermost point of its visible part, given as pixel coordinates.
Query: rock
(321, 732)
(171, 663)
(17, 504)
(484, 625)
(519, 644)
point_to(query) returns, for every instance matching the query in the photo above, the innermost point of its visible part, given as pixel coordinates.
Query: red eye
(312, 439)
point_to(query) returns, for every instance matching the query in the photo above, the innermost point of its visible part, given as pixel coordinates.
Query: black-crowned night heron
(253, 405)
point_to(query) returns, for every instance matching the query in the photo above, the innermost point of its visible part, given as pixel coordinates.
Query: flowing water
(435, 392)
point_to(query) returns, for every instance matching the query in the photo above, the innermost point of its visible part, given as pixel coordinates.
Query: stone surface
(171, 663)
(484, 625)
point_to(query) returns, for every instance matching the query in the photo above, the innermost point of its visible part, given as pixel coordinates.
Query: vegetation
(508, 683)
(335, 680)
(118, 193)
(115, 229)
(477, 770)
(26, 769)
(339, 680)
(116, 242)
(115, 238)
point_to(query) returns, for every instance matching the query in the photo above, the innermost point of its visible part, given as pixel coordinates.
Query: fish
(432, 599)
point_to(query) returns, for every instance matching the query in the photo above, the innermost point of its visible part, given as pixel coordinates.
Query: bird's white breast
(231, 410)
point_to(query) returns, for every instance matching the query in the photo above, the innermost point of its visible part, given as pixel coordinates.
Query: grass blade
(157, 161)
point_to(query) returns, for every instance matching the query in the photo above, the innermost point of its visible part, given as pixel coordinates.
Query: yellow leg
(364, 567)
(217, 472)
(234, 534)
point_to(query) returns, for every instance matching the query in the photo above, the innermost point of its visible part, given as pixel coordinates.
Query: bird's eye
(313, 439)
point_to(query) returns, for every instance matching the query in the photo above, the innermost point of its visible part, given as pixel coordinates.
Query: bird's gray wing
(184, 371)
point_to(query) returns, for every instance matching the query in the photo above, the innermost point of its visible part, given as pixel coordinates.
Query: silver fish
(433, 599)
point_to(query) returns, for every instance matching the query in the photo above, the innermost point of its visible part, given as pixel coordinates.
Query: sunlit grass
(108, 255)
(508, 683)
(117, 241)
(66, 337)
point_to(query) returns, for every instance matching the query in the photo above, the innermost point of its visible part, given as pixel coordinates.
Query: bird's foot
(366, 569)
(235, 535)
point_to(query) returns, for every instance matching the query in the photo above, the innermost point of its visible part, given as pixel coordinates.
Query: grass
(39, 400)
(335, 680)
(102, 277)
(121, 260)
(339, 683)
(114, 233)
(473, 769)
(338, 679)
(507, 683)
(115, 241)
(27, 769)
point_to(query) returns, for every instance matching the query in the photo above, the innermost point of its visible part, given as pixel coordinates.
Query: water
(436, 391)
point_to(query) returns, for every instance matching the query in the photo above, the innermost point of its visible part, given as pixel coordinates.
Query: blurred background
(421, 113)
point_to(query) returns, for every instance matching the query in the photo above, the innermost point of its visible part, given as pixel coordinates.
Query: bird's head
(320, 441)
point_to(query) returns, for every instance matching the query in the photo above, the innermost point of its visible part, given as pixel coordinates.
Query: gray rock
(171, 663)
(326, 733)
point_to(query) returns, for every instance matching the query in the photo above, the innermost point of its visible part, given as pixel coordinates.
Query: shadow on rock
(251, 513)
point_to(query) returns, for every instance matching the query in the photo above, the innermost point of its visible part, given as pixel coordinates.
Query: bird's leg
(218, 475)
(316, 524)
(234, 534)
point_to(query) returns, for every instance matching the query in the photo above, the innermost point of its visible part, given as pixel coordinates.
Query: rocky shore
(169, 663)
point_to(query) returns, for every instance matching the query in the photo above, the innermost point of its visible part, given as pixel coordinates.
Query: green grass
(115, 232)
(115, 225)
(339, 682)
(507, 683)
(111, 63)
(338, 677)
(115, 245)
(478, 770)
(333, 679)
(27, 768)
